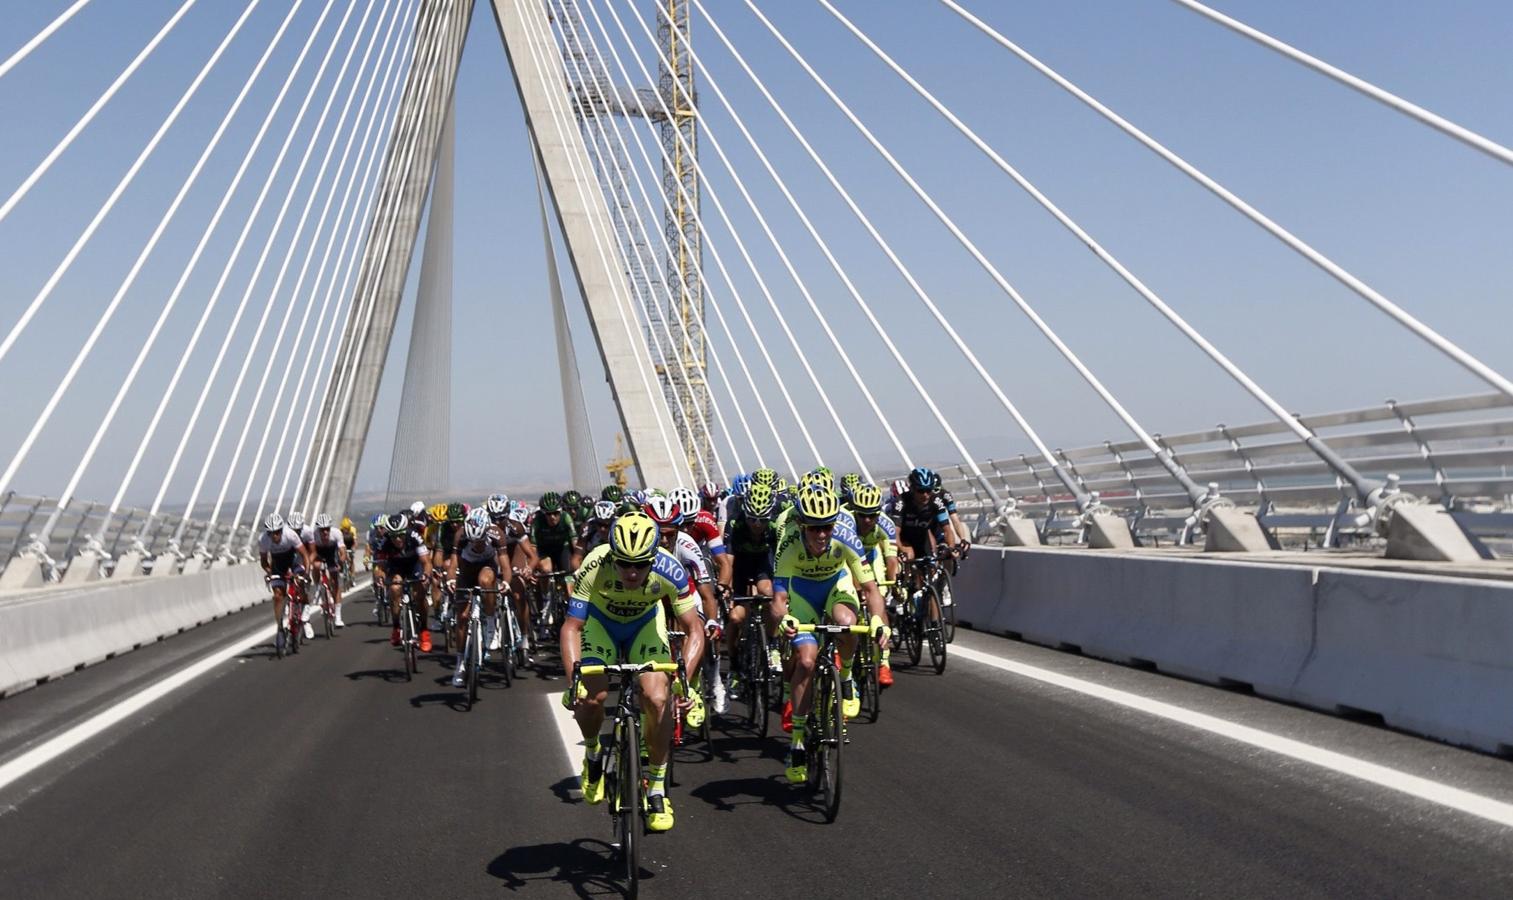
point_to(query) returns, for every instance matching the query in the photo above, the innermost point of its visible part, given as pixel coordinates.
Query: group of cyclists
(649, 577)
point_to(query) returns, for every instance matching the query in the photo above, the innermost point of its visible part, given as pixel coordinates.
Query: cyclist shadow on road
(261, 651)
(586, 865)
(730, 794)
(393, 676)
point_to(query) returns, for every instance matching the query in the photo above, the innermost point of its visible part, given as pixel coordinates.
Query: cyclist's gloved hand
(714, 629)
(790, 625)
(880, 631)
(568, 700)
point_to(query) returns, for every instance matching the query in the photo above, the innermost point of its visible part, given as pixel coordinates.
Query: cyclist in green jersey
(818, 578)
(616, 616)
(879, 537)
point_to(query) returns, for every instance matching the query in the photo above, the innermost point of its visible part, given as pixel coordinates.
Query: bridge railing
(22, 517)
(1457, 451)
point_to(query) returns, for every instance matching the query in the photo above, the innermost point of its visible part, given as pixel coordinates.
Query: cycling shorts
(467, 573)
(918, 541)
(610, 642)
(326, 555)
(811, 600)
(748, 569)
(285, 565)
(560, 555)
(407, 568)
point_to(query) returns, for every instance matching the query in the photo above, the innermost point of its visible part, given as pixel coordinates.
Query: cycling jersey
(881, 543)
(947, 500)
(282, 550)
(485, 549)
(816, 584)
(546, 535)
(405, 559)
(325, 548)
(621, 624)
(691, 558)
(916, 522)
(705, 529)
(750, 553)
(787, 526)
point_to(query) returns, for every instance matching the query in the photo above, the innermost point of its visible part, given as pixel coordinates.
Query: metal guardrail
(1456, 451)
(21, 516)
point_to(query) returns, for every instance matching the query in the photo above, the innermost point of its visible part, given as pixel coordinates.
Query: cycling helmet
(686, 499)
(322, 522)
(740, 484)
(456, 512)
(820, 475)
(474, 530)
(417, 509)
(437, 512)
(520, 514)
(759, 503)
(768, 477)
(478, 514)
(634, 538)
(817, 506)
(867, 500)
(849, 481)
(346, 523)
(626, 506)
(612, 493)
(274, 523)
(572, 499)
(551, 501)
(709, 491)
(396, 525)
(664, 511)
(923, 479)
(297, 521)
(497, 506)
(604, 511)
(374, 522)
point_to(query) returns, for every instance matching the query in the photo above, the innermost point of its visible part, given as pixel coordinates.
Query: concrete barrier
(51, 632)
(1429, 654)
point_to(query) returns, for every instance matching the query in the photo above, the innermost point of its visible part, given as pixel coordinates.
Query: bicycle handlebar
(834, 629)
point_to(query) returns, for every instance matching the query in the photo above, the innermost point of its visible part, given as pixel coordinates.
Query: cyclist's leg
(806, 602)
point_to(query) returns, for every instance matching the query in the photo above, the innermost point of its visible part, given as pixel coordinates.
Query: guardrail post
(21, 529)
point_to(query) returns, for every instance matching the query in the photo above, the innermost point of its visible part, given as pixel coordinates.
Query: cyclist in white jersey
(329, 552)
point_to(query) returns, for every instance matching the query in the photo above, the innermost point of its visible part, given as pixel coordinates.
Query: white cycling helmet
(604, 511)
(497, 505)
(519, 514)
(663, 510)
(687, 500)
(297, 521)
(274, 523)
(479, 514)
(474, 530)
(322, 522)
(417, 508)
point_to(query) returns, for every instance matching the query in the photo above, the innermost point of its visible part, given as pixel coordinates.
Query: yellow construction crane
(620, 463)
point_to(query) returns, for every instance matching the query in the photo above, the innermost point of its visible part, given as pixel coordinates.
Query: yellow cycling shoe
(851, 704)
(593, 780)
(797, 770)
(658, 813)
(695, 716)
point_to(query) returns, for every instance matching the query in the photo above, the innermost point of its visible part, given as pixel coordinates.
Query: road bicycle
(324, 600)
(624, 786)
(754, 680)
(826, 735)
(409, 634)
(927, 614)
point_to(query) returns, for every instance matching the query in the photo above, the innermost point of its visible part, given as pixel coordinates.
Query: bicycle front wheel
(935, 630)
(947, 608)
(832, 739)
(627, 811)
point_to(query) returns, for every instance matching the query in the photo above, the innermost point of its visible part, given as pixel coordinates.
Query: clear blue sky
(1424, 219)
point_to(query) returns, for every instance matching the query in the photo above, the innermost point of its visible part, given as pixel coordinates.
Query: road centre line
(1382, 776)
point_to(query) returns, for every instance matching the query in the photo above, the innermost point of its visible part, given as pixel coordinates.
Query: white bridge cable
(262, 260)
(793, 272)
(1150, 296)
(380, 185)
(613, 171)
(699, 270)
(115, 405)
(358, 80)
(1412, 110)
(47, 32)
(210, 303)
(348, 367)
(115, 302)
(650, 210)
(750, 263)
(876, 236)
(1297, 244)
(631, 322)
(350, 242)
(62, 145)
(992, 271)
(272, 294)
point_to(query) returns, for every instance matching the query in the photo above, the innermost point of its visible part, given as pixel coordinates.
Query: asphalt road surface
(328, 775)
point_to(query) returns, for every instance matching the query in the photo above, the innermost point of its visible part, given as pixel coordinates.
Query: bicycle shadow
(567, 790)
(586, 865)
(734, 793)
(455, 698)
(261, 651)
(739, 743)
(393, 676)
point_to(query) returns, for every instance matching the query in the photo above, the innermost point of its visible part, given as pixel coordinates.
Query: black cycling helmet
(551, 501)
(396, 524)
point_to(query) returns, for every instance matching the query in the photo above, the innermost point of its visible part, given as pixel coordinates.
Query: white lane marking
(54, 747)
(572, 738)
(1383, 776)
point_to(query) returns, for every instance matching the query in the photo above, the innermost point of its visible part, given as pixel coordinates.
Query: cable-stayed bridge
(1149, 345)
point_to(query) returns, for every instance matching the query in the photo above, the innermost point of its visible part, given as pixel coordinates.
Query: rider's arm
(531, 557)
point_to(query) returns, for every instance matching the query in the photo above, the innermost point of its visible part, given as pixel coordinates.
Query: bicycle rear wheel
(407, 642)
(473, 659)
(871, 691)
(909, 627)
(280, 640)
(626, 810)
(328, 613)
